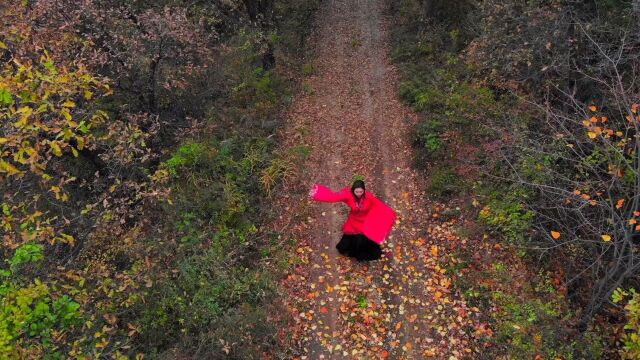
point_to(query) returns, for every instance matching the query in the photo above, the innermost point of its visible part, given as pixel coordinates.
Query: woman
(368, 224)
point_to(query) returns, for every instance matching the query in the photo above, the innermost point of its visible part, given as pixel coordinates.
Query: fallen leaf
(434, 250)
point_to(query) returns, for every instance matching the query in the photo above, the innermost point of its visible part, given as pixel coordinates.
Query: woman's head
(357, 189)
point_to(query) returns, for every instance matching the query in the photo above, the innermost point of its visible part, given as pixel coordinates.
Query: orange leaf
(434, 251)
(555, 234)
(593, 108)
(637, 227)
(604, 119)
(634, 108)
(399, 325)
(620, 203)
(324, 310)
(632, 221)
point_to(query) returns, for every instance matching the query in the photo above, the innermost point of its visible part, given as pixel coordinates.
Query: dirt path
(402, 307)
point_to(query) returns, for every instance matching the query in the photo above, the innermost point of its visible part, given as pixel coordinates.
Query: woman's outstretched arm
(323, 193)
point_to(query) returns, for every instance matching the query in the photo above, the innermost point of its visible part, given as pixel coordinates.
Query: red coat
(371, 217)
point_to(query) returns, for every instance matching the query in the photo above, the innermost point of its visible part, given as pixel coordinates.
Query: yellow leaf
(80, 141)
(591, 134)
(606, 237)
(3, 140)
(56, 148)
(632, 221)
(3, 45)
(8, 168)
(555, 234)
(66, 114)
(69, 104)
(26, 112)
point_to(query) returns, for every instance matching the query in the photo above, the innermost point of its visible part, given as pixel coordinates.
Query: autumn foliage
(108, 111)
(550, 161)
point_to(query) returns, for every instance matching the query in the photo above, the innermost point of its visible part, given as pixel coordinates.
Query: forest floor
(349, 114)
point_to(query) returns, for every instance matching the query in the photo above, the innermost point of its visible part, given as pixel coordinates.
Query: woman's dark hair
(357, 184)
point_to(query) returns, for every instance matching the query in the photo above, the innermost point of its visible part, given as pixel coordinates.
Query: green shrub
(205, 289)
(423, 97)
(25, 254)
(528, 327)
(443, 182)
(308, 69)
(631, 338)
(427, 138)
(506, 213)
(32, 311)
(187, 156)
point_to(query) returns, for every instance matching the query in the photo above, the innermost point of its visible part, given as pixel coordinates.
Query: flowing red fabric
(372, 217)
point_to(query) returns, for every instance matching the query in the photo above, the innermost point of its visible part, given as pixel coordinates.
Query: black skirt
(360, 247)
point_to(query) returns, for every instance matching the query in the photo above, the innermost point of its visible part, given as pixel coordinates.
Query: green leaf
(5, 97)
